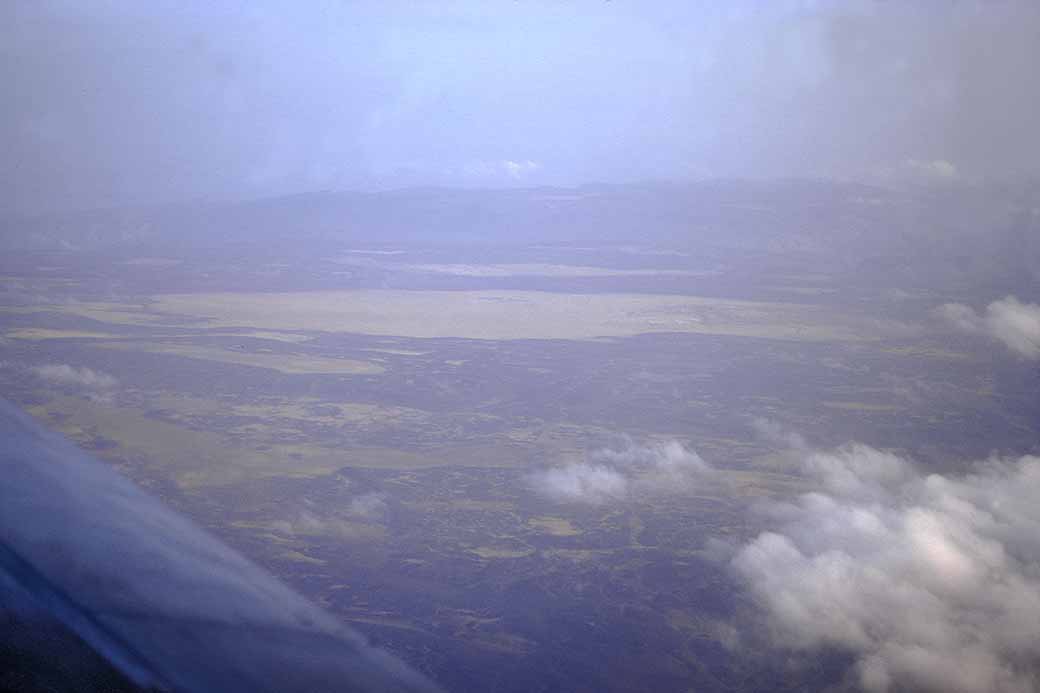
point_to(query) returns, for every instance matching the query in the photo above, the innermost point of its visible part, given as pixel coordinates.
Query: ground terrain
(362, 417)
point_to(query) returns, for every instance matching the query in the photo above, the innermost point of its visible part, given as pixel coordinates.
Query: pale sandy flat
(504, 314)
(483, 314)
(542, 270)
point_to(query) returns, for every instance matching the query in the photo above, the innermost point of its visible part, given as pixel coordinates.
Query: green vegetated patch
(299, 557)
(111, 313)
(291, 337)
(927, 351)
(495, 552)
(579, 555)
(397, 352)
(199, 442)
(281, 362)
(321, 411)
(562, 438)
(174, 441)
(189, 457)
(475, 505)
(42, 333)
(483, 631)
(384, 621)
(296, 531)
(554, 526)
(279, 412)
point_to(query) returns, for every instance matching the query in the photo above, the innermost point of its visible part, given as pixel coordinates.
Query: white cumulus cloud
(502, 170)
(1009, 321)
(932, 582)
(934, 170)
(580, 482)
(370, 506)
(312, 518)
(64, 374)
(612, 474)
(519, 169)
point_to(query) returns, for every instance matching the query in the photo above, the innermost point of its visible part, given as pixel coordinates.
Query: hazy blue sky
(110, 102)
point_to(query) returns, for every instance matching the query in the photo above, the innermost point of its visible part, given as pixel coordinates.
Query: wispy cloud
(937, 170)
(612, 474)
(580, 482)
(932, 582)
(508, 169)
(312, 519)
(778, 435)
(65, 375)
(519, 169)
(1009, 321)
(371, 506)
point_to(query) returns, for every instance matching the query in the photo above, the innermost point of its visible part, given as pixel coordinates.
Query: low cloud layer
(931, 582)
(1014, 324)
(613, 474)
(116, 103)
(929, 171)
(65, 375)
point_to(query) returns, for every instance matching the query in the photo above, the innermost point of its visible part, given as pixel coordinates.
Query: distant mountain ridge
(967, 229)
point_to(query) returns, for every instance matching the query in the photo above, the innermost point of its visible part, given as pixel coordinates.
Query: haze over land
(558, 346)
(116, 103)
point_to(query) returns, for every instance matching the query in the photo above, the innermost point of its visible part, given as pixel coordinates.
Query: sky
(111, 103)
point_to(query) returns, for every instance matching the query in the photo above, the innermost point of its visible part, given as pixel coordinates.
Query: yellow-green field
(283, 363)
(554, 526)
(273, 443)
(43, 333)
(493, 552)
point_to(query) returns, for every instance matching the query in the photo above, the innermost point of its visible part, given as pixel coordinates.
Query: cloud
(612, 474)
(66, 375)
(1009, 321)
(313, 520)
(369, 505)
(938, 170)
(306, 523)
(490, 171)
(580, 482)
(963, 317)
(772, 432)
(189, 104)
(519, 169)
(932, 582)
(918, 171)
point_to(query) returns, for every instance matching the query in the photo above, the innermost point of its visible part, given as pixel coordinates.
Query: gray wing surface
(165, 603)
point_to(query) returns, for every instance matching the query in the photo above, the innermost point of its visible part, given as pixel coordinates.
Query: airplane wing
(170, 607)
